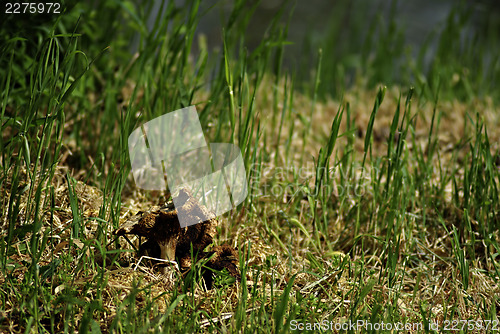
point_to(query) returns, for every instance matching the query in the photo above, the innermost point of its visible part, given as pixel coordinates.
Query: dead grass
(426, 273)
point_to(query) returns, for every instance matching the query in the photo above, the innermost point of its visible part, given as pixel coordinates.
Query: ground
(375, 206)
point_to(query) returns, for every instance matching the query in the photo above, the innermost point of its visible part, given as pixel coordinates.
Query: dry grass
(328, 275)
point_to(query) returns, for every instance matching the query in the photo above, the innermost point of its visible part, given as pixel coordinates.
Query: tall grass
(68, 108)
(372, 49)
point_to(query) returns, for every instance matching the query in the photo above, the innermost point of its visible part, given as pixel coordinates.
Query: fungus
(160, 225)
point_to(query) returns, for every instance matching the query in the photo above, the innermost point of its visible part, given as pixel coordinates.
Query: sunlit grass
(380, 204)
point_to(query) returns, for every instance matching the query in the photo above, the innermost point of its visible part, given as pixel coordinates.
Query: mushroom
(222, 257)
(161, 225)
(219, 258)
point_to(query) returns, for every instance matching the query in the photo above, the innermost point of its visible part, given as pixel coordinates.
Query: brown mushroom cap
(166, 238)
(162, 226)
(219, 258)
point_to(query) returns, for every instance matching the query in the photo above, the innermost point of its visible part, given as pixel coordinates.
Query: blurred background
(350, 33)
(390, 42)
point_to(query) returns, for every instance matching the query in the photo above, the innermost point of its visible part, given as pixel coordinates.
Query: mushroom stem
(167, 252)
